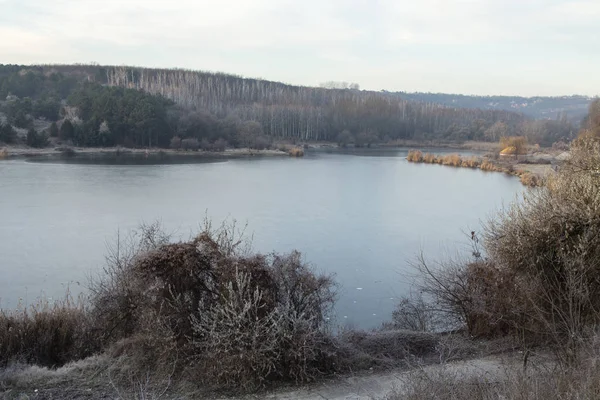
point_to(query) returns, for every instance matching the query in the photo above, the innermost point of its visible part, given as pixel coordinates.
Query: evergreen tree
(67, 131)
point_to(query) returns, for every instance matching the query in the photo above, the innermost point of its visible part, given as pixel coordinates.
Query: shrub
(538, 277)
(513, 145)
(35, 139)
(453, 160)
(238, 319)
(296, 152)
(488, 166)
(190, 144)
(415, 156)
(530, 179)
(175, 143)
(429, 158)
(220, 145)
(471, 162)
(46, 334)
(54, 130)
(7, 134)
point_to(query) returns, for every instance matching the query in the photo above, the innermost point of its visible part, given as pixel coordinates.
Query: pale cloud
(468, 46)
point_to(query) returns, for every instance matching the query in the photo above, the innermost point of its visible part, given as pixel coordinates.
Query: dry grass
(296, 152)
(485, 164)
(530, 179)
(429, 158)
(453, 160)
(49, 334)
(471, 162)
(542, 382)
(415, 156)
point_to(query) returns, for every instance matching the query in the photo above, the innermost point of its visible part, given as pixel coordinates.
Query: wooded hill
(210, 107)
(574, 107)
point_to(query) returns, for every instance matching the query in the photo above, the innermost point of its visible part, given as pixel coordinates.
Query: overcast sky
(523, 47)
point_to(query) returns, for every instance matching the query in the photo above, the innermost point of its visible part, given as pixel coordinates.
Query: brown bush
(471, 162)
(488, 166)
(46, 334)
(530, 179)
(513, 145)
(429, 158)
(296, 152)
(415, 156)
(453, 160)
(539, 275)
(234, 319)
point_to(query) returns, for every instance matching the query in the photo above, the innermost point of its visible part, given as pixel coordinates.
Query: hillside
(574, 107)
(135, 107)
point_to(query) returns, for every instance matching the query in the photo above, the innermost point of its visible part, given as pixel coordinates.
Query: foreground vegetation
(533, 276)
(207, 313)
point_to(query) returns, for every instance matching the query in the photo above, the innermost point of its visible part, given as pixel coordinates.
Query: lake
(363, 215)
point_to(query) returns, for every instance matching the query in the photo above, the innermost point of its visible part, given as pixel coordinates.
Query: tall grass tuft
(415, 156)
(296, 152)
(49, 334)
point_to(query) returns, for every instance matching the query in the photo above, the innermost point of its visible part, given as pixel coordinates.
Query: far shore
(24, 152)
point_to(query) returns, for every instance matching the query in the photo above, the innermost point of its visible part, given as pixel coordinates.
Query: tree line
(142, 107)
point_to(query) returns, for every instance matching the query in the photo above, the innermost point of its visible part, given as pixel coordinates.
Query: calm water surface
(362, 216)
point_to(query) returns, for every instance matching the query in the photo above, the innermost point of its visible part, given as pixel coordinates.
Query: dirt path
(379, 385)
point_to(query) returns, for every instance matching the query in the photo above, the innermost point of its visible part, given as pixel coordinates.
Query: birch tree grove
(307, 113)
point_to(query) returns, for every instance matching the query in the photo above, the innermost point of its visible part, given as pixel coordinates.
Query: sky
(507, 47)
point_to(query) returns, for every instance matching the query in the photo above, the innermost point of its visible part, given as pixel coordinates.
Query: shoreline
(13, 152)
(530, 172)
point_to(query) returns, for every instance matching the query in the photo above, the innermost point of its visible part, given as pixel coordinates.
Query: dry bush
(551, 242)
(474, 294)
(117, 294)
(240, 344)
(539, 277)
(415, 314)
(471, 162)
(514, 145)
(231, 318)
(453, 160)
(296, 152)
(415, 156)
(488, 166)
(3, 153)
(530, 179)
(49, 334)
(393, 344)
(429, 158)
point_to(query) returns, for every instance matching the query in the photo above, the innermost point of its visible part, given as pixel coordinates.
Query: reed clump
(296, 152)
(415, 156)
